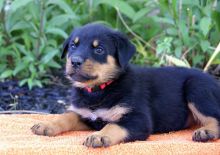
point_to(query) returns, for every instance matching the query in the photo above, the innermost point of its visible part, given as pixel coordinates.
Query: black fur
(158, 97)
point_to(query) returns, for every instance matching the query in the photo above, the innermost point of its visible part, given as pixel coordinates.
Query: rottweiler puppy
(126, 103)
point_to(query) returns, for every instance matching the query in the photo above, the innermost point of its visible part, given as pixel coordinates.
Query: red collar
(100, 87)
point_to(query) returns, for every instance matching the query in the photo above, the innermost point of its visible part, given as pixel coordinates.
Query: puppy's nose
(76, 61)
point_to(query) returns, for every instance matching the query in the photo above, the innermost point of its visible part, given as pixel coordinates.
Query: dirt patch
(50, 99)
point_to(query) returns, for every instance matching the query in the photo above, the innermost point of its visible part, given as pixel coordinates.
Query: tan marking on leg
(209, 129)
(111, 134)
(62, 123)
(190, 120)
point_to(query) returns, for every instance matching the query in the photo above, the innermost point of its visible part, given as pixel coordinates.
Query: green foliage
(178, 32)
(186, 30)
(32, 32)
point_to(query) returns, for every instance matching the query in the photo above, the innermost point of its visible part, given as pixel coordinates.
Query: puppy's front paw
(43, 129)
(97, 140)
(203, 135)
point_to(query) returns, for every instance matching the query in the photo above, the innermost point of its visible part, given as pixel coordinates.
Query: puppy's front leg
(63, 123)
(135, 126)
(111, 134)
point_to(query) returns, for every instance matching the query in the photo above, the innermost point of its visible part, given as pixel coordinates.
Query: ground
(53, 98)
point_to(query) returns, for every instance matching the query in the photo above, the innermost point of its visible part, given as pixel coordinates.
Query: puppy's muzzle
(76, 61)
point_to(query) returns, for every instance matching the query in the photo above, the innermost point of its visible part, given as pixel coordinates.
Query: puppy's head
(95, 54)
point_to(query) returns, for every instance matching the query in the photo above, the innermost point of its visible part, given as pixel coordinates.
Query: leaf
(197, 59)
(57, 31)
(174, 8)
(22, 82)
(184, 32)
(61, 19)
(63, 5)
(177, 61)
(41, 68)
(204, 45)
(123, 7)
(52, 42)
(30, 83)
(18, 4)
(216, 61)
(54, 64)
(37, 83)
(163, 20)
(1, 4)
(164, 46)
(21, 48)
(21, 25)
(2, 67)
(216, 17)
(190, 2)
(35, 12)
(140, 14)
(205, 25)
(49, 55)
(20, 66)
(178, 51)
(172, 31)
(1, 39)
(6, 74)
(32, 68)
(217, 8)
(27, 41)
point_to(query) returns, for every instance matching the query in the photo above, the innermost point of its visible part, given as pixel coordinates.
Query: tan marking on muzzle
(104, 72)
(69, 68)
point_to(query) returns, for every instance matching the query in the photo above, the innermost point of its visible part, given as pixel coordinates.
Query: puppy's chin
(83, 77)
(79, 84)
(82, 80)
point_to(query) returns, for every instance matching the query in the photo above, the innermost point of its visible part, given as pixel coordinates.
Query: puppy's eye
(73, 46)
(99, 51)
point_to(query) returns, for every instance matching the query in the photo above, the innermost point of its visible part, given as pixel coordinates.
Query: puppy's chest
(112, 114)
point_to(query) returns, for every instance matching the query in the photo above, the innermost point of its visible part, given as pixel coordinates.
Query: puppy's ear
(124, 48)
(65, 47)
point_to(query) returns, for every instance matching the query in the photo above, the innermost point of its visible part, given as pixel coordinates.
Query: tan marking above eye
(76, 40)
(95, 43)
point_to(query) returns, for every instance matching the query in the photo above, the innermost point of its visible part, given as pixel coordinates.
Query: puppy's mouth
(81, 77)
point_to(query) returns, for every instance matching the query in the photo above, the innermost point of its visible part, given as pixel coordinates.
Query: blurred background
(166, 32)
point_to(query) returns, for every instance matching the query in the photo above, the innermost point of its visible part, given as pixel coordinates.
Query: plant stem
(3, 21)
(42, 11)
(188, 50)
(132, 32)
(90, 9)
(6, 36)
(214, 55)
